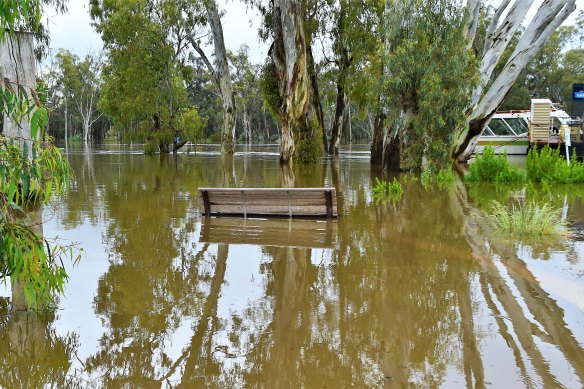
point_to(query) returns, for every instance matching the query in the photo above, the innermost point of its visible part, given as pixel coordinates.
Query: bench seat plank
(314, 202)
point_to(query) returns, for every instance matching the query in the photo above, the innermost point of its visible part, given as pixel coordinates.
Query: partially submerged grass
(386, 190)
(529, 219)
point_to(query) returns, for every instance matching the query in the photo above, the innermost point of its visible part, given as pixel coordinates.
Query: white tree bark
(473, 10)
(223, 78)
(18, 67)
(87, 107)
(498, 38)
(549, 16)
(289, 54)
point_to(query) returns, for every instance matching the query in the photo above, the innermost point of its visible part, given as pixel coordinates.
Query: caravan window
(518, 125)
(500, 128)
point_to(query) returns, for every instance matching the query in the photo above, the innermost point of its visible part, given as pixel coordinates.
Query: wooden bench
(290, 202)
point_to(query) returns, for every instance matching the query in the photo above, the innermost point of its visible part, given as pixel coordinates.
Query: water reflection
(32, 353)
(418, 293)
(269, 232)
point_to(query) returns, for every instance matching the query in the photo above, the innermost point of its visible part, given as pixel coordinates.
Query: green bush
(493, 168)
(547, 165)
(309, 150)
(150, 148)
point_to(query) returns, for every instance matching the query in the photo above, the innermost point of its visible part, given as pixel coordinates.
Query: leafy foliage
(31, 172)
(490, 167)
(144, 89)
(431, 73)
(24, 183)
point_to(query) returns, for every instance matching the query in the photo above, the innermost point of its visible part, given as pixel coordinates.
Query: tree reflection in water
(32, 354)
(418, 293)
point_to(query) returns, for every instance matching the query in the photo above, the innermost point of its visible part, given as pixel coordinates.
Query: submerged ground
(418, 293)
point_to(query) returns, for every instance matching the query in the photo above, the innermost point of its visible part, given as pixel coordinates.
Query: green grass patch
(529, 219)
(386, 190)
(490, 167)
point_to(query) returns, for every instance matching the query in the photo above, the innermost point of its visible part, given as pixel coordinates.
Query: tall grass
(529, 219)
(490, 167)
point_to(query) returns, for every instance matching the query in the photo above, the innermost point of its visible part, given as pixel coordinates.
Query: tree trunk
(86, 130)
(288, 53)
(315, 97)
(343, 62)
(156, 127)
(18, 67)
(246, 126)
(350, 121)
(223, 78)
(379, 135)
(337, 126)
(265, 120)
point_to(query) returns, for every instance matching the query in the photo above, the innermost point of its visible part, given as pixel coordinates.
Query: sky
(73, 31)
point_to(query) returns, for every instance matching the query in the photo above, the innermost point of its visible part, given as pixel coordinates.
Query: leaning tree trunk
(550, 15)
(223, 79)
(288, 53)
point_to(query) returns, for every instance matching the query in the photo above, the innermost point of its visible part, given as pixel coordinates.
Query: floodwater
(420, 293)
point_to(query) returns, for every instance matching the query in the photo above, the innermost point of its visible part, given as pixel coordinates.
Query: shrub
(150, 148)
(528, 219)
(309, 150)
(493, 168)
(547, 165)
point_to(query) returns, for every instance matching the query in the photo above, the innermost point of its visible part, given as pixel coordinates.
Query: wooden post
(206, 203)
(329, 203)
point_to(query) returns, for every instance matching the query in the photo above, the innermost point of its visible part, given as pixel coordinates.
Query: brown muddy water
(420, 293)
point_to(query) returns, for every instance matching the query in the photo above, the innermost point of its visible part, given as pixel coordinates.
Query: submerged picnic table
(290, 202)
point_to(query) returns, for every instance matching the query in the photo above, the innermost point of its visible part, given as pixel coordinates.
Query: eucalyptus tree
(251, 110)
(486, 95)
(427, 69)
(289, 82)
(80, 83)
(351, 28)
(491, 91)
(144, 89)
(220, 69)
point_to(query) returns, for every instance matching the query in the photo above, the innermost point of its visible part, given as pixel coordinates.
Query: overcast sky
(73, 31)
